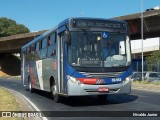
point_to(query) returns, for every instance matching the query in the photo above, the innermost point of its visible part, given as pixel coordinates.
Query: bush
(10, 27)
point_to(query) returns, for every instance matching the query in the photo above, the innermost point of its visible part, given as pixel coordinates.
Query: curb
(28, 100)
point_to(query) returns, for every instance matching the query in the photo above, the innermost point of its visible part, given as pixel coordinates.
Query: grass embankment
(146, 82)
(144, 85)
(8, 103)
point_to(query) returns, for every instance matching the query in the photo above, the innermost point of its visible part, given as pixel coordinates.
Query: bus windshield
(98, 49)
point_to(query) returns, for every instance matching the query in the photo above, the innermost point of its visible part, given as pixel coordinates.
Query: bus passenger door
(61, 67)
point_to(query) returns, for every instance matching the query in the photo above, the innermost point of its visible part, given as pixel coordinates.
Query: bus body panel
(47, 72)
(89, 85)
(41, 70)
(85, 89)
(39, 74)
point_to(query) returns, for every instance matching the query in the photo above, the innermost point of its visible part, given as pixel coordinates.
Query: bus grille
(102, 75)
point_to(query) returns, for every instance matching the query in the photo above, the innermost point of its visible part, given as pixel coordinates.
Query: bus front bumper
(79, 89)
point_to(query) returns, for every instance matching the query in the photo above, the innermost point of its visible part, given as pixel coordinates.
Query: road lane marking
(28, 100)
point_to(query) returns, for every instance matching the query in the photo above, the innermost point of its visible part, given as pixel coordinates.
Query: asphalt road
(138, 100)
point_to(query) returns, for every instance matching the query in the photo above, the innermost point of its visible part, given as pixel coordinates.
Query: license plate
(103, 89)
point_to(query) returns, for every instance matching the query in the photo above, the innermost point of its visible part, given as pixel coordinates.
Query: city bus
(79, 57)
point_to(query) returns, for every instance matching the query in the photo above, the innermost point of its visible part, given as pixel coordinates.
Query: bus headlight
(128, 79)
(73, 80)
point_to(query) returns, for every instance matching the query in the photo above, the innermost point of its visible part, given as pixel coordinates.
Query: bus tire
(55, 94)
(30, 88)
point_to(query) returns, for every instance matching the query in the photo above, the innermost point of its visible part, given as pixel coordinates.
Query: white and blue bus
(79, 57)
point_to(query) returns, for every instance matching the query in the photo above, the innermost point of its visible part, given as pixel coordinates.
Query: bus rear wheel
(54, 93)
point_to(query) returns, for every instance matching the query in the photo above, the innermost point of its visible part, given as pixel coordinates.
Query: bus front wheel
(55, 94)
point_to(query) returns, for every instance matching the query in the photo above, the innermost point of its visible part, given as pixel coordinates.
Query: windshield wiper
(85, 32)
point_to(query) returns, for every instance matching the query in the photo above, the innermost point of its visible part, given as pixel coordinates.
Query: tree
(153, 61)
(10, 27)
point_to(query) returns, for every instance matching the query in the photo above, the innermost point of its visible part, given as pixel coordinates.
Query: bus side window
(27, 54)
(49, 40)
(33, 49)
(44, 43)
(37, 51)
(44, 48)
(40, 45)
(51, 52)
(30, 49)
(53, 41)
(37, 46)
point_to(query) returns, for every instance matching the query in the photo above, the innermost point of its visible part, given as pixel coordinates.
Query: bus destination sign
(90, 23)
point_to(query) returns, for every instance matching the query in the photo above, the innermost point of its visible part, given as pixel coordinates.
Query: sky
(45, 14)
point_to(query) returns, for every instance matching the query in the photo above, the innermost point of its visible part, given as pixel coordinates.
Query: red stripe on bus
(88, 80)
(54, 65)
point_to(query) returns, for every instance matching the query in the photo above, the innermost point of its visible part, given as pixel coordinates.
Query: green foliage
(10, 27)
(153, 60)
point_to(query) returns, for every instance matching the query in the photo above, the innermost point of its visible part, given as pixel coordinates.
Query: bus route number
(116, 79)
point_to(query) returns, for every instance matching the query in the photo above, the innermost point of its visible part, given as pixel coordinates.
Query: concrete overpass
(151, 24)
(12, 44)
(9, 64)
